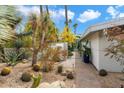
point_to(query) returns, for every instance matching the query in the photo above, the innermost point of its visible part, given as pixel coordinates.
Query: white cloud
(57, 14)
(121, 15)
(112, 11)
(119, 6)
(27, 10)
(88, 15)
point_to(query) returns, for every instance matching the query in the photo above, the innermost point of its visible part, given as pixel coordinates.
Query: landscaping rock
(25, 60)
(44, 85)
(103, 72)
(57, 84)
(70, 75)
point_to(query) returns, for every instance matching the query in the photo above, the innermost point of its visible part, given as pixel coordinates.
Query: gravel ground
(13, 79)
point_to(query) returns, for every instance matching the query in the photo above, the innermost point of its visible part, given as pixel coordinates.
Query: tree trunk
(66, 15)
(75, 31)
(34, 60)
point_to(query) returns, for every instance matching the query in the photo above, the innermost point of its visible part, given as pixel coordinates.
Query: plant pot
(86, 58)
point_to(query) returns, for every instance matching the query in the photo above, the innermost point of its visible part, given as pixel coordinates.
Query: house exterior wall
(94, 44)
(105, 62)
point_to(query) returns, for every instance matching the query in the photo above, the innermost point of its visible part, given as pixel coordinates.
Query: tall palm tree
(75, 27)
(66, 15)
(47, 9)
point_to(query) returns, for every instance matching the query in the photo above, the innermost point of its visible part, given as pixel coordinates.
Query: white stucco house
(98, 43)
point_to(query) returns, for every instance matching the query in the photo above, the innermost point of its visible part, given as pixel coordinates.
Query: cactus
(36, 67)
(36, 81)
(60, 69)
(26, 77)
(5, 71)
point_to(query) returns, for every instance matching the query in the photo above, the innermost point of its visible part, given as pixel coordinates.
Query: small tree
(43, 32)
(116, 49)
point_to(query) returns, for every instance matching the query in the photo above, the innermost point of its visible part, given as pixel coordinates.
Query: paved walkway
(85, 74)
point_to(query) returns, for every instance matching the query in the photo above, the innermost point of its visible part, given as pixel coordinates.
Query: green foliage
(18, 44)
(70, 53)
(36, 81)
(12, 58)
(8, 23)
(87, 50)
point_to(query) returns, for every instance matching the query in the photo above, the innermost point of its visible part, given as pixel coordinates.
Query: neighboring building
(98, 43)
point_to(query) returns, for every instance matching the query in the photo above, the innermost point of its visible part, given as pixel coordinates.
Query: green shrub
(18, 44)
(70, 53)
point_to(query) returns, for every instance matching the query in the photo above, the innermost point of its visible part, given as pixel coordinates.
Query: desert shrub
(103, 72)
(48, 67)
(26, 77)
(18, 44)
(5, 71)
(36, 67)
(60, 69)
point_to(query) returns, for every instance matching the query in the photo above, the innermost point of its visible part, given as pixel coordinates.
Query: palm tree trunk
(66, 15)
(47, 9)
(75, 31)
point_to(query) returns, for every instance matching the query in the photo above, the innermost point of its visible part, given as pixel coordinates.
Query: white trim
(100, 26)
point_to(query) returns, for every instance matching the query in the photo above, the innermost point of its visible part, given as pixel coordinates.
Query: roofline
(103, 25)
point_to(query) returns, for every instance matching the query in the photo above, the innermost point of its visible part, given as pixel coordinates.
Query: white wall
(63, 45)
(94, 40)
(105, 62)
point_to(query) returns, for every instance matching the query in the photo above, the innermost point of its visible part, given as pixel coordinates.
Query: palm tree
(47, 9)
(66, 15)
(75, 27)
(8, 22)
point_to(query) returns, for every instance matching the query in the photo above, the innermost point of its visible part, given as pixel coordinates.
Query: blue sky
(83, 15)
